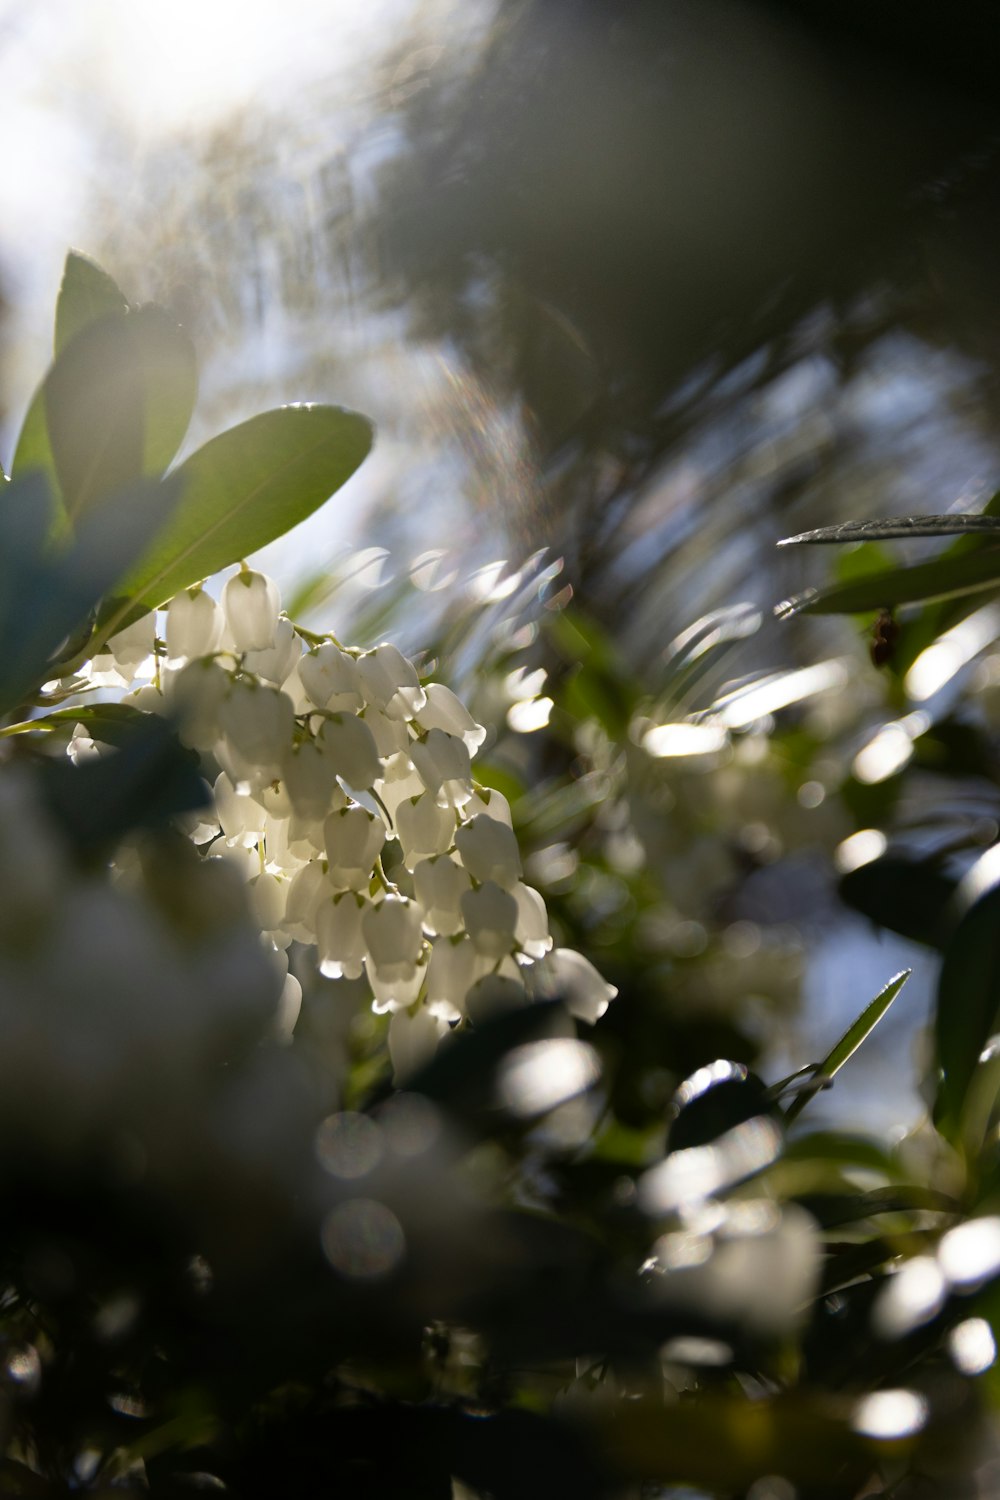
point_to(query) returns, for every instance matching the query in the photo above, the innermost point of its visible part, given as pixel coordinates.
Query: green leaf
(87, 293)
(944, 578)
(968, 1001)
(46, 591)
(849, 1043)
(108, 723)
(114, 407)
(243, 489)
(907, 896)
(958, 524)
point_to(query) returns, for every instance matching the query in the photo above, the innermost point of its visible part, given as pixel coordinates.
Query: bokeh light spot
(363, 1239)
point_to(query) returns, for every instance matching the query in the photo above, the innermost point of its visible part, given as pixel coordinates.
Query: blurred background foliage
(632, 292)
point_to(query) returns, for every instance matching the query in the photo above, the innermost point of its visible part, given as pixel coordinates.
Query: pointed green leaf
(852, 1039)
(243, 489)
(968, 1000)
(113, 407)
(957, 524)
(87, 293)
(945, 578)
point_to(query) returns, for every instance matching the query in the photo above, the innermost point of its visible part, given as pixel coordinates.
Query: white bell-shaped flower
(443, 710)
(268, 894)
(489, 851)
(390, 682)
(133, 645)
(487, 802)
(566, 975)
(251, 603)
(399, 782)
(195, 696)
(440, 883)
(340, 942)
(354, 840)
(280, 858)
(242, 818)
(331, 679)
(493, 995)
(532, 931)
(490, 916)
(194, 625)
(391, 736)
(258, 723)
(310, 778)
(442, 761)
(413, 1039)
(394, 937)
(348, 743)
(394, 994)
(423, 829)
(274, 663)
(307, 888)
(454, 967)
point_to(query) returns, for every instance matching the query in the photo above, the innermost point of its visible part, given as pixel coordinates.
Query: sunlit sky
(76, 73)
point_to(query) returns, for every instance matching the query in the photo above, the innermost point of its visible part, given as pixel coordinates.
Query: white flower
(566, 975)
(195, 696)
(489, 850)
(275, 662)
(488, 803)
(340, 943)
(394, 937)
(442, 761)
(390, 682)
(133, 645)
(532, 931)
(348, 742)
(310, 778)
(194, 625)
(267, 900)
(423, 829)
(443, 710)
(305, 892)
(490, 915)
(413, 1040)
(453, 969)
(440, 884)
(493, 995)
(391, 735)
(399, 782)
(251, 602)
(258, 723)
(331, 679)
(242, 818)
(354, 840)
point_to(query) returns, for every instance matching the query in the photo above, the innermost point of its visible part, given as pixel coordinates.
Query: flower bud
(251, 602)
(194, 625)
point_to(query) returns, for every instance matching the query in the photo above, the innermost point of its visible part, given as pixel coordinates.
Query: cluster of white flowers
(343, 786)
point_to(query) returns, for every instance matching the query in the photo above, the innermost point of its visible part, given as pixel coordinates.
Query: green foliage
(627, 1255)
